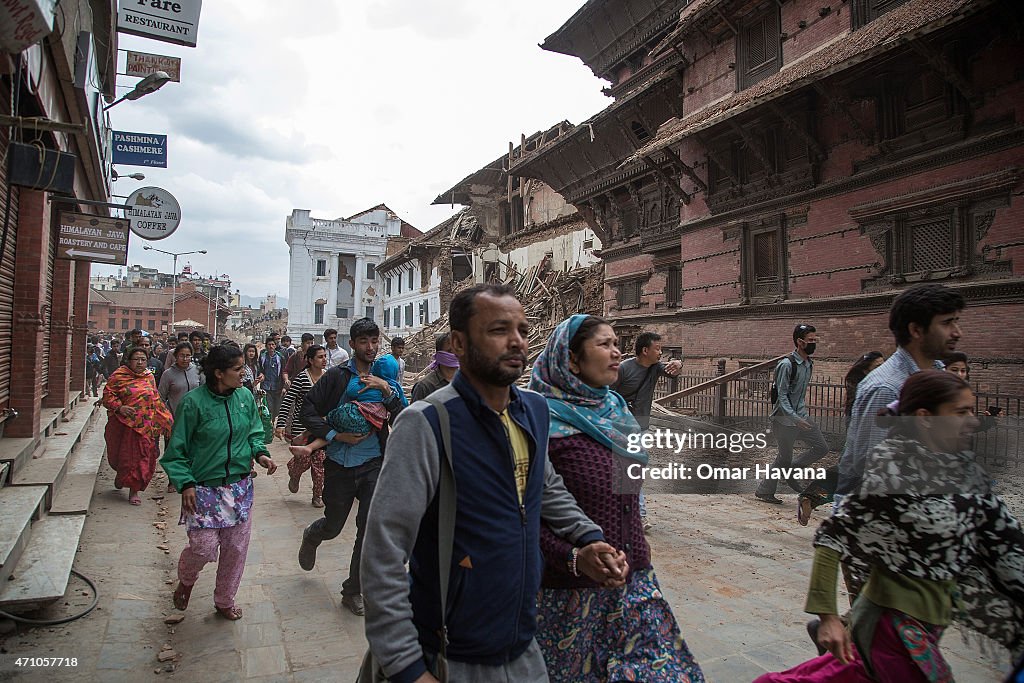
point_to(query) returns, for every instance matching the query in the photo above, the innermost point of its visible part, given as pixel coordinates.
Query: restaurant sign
(174, 21)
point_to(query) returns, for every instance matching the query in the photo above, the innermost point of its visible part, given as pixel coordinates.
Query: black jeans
(787, 436)
(342, 487)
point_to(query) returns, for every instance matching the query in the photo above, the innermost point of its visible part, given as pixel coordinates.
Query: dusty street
(734, 569)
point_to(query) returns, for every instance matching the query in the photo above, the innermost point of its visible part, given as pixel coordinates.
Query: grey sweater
(405, 489)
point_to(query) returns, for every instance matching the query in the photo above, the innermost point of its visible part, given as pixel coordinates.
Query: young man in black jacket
(353, 460)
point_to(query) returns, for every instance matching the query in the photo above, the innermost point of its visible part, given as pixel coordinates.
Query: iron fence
(745, 404)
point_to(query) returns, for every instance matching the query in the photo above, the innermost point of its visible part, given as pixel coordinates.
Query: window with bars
(674, 286)
(758, 47)
(628, 294)
(764, 263)
(387, 286)
(371, 271)
(926, 243)
(423, 312)
(387, 317)
(318, 314)
(408, 315)
(321, 267)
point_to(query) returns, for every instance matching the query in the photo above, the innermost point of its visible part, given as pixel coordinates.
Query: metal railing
(743, 402)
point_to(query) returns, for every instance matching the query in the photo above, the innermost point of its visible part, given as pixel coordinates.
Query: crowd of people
(496, 536)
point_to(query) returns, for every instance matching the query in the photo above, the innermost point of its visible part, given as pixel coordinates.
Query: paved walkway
(735, 572)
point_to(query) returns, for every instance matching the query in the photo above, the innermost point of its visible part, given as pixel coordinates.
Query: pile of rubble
(548, 296)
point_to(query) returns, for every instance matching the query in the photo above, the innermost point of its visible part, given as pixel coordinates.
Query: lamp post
(147, 85)
(174, 275)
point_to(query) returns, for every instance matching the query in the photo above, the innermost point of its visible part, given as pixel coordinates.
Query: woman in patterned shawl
(589, 633)
(135, 420)
(934, 542)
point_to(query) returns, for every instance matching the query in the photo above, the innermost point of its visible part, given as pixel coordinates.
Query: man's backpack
(773, 393)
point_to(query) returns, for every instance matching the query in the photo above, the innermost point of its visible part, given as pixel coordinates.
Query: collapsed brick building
(769, 163)
(513, 230)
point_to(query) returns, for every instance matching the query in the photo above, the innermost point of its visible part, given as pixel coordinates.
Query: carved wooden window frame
(763, 24)
(633, 289)
(758, 288)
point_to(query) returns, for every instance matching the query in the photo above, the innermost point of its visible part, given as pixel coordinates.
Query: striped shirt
(880, 388)
(291, 404)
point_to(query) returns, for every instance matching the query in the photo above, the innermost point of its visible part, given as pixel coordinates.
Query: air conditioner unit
(41, 168)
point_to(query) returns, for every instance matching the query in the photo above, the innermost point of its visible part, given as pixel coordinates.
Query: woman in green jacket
(209, 458)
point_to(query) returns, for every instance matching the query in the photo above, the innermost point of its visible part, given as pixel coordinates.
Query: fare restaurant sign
(172, 21)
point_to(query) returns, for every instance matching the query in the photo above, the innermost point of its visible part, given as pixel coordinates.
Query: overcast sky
(305, 105)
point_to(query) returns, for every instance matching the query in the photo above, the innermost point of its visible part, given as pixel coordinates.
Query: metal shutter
(9, 240)
(47, 307)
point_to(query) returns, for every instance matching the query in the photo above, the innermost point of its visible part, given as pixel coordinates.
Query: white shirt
(336, 356)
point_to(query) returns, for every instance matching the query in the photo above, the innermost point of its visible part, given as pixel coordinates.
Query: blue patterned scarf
(577, 408)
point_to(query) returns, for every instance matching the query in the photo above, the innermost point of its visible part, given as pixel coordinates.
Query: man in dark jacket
(444, 366)
(353, 460)
(504, 487)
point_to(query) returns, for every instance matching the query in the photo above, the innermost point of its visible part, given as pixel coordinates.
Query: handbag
(268, 423)
(370, 671)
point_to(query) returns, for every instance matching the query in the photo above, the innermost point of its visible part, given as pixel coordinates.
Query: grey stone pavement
(735, 571)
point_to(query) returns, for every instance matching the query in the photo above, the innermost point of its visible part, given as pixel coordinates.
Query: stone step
(19, 506)
(41, 575)
(4, 468)
(16, 453)
(49, 465)
(74, 494)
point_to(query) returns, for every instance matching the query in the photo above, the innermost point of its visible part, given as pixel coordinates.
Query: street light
(150, 83)
(115, 176)
(174, 275)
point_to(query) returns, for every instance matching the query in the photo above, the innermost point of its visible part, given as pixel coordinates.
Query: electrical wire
(63, 620)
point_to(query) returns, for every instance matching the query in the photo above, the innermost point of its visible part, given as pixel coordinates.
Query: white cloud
(305, 105)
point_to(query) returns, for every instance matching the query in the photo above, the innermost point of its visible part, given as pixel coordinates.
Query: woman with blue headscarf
(589, 633)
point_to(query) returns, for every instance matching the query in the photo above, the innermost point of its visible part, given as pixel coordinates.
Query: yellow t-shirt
(520, 451)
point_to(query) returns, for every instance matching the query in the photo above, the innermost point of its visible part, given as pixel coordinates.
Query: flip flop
(229, 613)
(181, 595)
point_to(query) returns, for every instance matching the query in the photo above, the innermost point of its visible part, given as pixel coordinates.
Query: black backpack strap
(445, 521)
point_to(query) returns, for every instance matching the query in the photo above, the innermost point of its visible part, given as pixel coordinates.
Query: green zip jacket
(215, 439)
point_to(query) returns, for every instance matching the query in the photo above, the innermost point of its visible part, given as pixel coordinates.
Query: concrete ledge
(45, 566)
(49, 465)
(73, 496)
(19, 505)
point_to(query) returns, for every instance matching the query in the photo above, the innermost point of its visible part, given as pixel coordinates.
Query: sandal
(181, 595)
(230, 613)
(135, 500)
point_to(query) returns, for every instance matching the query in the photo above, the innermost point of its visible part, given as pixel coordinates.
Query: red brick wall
(29, 287)
(996, 361)
(79, 328)
(59, 375)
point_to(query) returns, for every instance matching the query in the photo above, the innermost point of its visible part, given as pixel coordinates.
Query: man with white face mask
(790, 419)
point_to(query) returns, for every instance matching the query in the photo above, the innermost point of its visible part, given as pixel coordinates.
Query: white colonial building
(333, 277)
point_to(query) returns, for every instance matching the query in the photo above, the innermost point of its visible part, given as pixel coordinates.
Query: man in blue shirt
(925, 321)
(271, 381)
(790, 418)
(353, 460)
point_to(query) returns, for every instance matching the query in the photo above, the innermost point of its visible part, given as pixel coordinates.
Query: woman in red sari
(136, 418)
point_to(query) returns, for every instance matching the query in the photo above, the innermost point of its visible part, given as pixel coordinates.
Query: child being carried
(364, 410)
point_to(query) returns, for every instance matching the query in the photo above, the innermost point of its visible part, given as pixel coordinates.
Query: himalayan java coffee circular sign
(153, 213)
